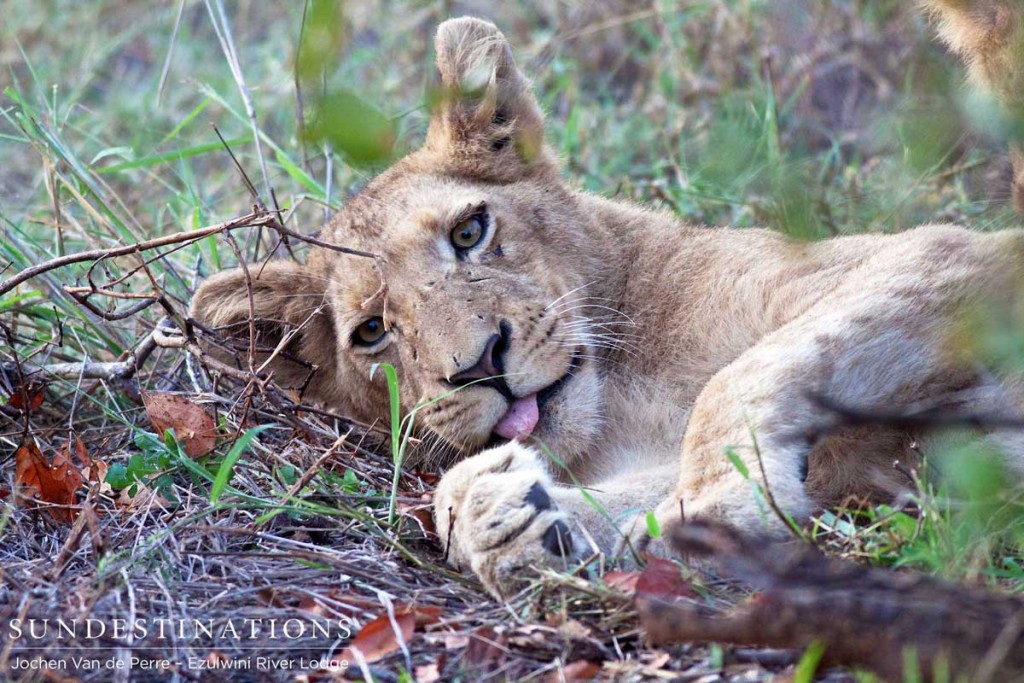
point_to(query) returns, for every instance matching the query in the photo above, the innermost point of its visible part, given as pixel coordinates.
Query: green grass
(967, 523)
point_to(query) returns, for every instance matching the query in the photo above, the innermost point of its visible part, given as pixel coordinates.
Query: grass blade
(227, 467)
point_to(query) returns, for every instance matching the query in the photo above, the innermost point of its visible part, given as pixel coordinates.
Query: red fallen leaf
(316, 604)
(28, 397)
(422, 515)
(341, 601)
(309, 604)
(624, 582)
(428, 479)
(426, 615)
(93, 471)
(327, 604)
(662, 578)
(580, 670)
(271, 597)
(485, 651)
(216, 658)
(42, 481)
(192, 425)
(378, 639)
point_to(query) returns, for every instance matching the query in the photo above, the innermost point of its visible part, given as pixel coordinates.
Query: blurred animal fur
(989, 36)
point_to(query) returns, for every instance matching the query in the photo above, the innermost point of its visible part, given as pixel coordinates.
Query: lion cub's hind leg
(996, 407)
(764, 410)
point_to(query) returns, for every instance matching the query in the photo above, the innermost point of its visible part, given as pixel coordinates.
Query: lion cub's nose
(490, 365)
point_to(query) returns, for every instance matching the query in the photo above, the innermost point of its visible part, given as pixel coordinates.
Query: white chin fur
(571, 419)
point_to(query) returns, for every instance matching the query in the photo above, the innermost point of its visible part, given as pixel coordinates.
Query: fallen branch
(864, 616)
(108, 371)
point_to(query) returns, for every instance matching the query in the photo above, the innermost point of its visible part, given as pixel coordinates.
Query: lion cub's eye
(369, 332)
(468, 233)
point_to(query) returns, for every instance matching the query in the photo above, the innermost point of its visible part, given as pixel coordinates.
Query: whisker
(571, 291)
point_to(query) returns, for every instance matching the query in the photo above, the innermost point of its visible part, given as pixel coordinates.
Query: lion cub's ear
(288, 304)
(488, 122)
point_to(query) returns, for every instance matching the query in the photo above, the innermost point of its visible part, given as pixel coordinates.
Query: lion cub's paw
(495, 515)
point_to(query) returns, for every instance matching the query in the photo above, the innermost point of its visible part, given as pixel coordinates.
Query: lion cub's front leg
(499, 514)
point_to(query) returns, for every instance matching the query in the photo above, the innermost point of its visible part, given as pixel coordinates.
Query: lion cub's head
(489, 262)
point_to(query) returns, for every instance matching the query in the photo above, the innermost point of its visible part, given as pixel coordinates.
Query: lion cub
(593, 361)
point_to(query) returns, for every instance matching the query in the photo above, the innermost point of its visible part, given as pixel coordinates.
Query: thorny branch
(183, 336)
(256, 218)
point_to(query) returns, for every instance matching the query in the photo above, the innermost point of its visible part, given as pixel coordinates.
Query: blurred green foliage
(338, 116)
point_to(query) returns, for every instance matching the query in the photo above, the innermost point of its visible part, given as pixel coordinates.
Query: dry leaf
(41, 481)
(655, 660)
(662, 578)
(624, 582)
(272, 597)
(144, 496)
(426, 615)
(216, 658)
(455, 641)
(192, 425)
(93, 471)
(311, 604)
(574, 629)
(427, 479)
(28, 397)
(485, 651)
(427, 673)
(580, 670)
(423, 516)
(378, 639)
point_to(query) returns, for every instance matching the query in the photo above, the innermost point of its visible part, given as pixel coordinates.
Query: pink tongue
(520, 419)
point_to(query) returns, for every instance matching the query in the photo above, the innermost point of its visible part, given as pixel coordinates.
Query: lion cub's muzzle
(489, 370)
(523, 413)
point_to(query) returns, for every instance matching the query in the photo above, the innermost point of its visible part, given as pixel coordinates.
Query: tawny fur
(989, 36)
(716, 339)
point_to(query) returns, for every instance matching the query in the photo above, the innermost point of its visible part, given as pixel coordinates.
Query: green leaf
(809, 661)
(289, 475)
(171, 156)
(354, 127)
(228, 465)
(716, 656)
(398, 441)
(653, 528)
(396, 423)
(737, 462)
(117, 476)
(350, 482)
